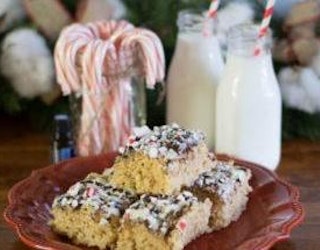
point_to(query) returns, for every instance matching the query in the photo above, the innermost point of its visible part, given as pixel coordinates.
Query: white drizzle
(159, 212)
(223, 179)
(168, 141)
(99, 195)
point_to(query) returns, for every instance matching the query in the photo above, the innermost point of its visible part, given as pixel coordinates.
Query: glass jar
(103, 120)
(249, 101)
(194, 74)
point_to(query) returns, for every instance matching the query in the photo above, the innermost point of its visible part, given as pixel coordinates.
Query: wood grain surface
(23, 150)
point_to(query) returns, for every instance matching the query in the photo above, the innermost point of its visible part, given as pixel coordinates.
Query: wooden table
(22, 150)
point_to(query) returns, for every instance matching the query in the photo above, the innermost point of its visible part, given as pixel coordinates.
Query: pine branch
(10, 102)
(300, 124)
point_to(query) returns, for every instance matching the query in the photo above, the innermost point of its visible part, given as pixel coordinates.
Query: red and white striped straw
(265, 24)
(212, 13)
(213, 9)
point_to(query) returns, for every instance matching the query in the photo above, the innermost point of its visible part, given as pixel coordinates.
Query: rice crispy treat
(89, 212)
(163, 222)
(227, 187)
(161, 161)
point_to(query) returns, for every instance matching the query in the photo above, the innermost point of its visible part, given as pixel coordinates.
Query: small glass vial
(194, 74)
(249, 101)
(62, 145)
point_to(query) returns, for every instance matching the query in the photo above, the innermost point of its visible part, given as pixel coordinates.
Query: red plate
(273, 209)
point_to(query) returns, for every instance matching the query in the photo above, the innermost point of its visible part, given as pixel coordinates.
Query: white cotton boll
(27, 63)
(295, 92)
(233, 14)
(289, 75)
(311, 83)
(315, 64)
(291, 90)
(11, 12)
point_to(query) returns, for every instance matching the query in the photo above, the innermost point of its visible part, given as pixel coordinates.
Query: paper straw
(213, 9)
(265, 24)
(212, 13)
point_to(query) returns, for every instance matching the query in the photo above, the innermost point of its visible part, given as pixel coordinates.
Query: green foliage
(9, 101)
(41, 115)
(146, 14)
(71, 5)
(300, 124)
(160, 16)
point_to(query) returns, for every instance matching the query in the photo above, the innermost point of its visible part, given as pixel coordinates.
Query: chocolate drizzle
(159, 212)
(168, 141)
(101, 197)
(223, 179)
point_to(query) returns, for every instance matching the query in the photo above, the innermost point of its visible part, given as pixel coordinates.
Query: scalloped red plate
(272, 212)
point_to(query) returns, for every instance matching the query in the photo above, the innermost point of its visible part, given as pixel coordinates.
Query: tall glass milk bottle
(194, 74)
(249, 101)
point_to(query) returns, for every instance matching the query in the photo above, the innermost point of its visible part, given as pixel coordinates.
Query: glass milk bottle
(248, 101)
(194, 74)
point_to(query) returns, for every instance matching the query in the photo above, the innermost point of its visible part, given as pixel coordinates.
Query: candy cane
(92, 64)
(88, 61)
(65, 57)
(151, 56)
(160, 59)
(264, 24)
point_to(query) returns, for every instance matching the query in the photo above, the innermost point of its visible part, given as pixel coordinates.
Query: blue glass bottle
(62, 143)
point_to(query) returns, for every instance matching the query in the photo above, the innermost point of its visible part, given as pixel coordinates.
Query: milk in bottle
(248, 101)
(194, 74)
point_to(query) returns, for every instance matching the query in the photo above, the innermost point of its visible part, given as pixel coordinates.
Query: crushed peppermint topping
(182, 224)
(168, 141)
(102, 197)
(161, 211)
(223, 179)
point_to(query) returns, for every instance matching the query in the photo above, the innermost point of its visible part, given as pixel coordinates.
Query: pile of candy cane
(94, 61)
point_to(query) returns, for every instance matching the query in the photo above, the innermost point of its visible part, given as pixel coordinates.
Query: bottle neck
(243, 41)
(249, 64)
(195, 22)
(249, 68)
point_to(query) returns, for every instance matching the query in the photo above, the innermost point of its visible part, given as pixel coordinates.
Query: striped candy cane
(148, 47)
(265, 24)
